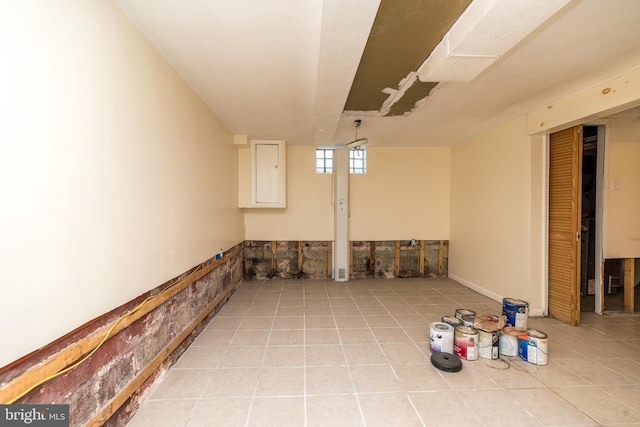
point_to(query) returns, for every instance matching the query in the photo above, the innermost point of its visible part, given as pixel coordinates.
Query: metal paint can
(533, 347)
(441, 337)
(516, 312)
(451, 320)
(460, 312)
(488, 344)
(508, 341)
(465, 342)
(467, 320)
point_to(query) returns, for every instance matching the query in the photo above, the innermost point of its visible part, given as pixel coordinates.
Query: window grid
(324, 160)
(357, 160)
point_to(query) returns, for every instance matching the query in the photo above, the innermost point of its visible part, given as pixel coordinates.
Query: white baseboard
(535, 312)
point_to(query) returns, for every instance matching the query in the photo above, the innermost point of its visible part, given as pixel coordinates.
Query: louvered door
(565, 186)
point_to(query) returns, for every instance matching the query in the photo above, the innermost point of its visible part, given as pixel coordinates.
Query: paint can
(467, 320)
(441, 337)
(488, 344)
(465, 343)
(451, 320)
(533, 347)
(508, 341)
(464, 312)
(516, 312)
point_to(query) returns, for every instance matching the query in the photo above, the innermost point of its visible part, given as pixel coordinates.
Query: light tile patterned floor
(320, 353)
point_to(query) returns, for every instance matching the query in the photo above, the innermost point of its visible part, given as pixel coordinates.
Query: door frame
(600, 230)
(600, 215)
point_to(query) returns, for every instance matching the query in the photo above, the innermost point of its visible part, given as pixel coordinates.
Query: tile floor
(320, 353)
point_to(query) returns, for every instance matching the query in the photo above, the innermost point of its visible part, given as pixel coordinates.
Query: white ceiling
(284, 68)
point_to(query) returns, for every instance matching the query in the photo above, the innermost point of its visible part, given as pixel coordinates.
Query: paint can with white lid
(441, 337)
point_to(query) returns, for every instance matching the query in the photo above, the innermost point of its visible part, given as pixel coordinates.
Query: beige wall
(622, 204)
(115, 176)
(492, 203)
(309, 211)
(403, 195)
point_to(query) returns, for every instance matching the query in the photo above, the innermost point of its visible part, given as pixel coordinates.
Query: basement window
(357, 160)
(324, 160)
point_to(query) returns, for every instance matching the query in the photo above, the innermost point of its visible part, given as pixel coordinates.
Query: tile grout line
(255, 391)
(355, 388)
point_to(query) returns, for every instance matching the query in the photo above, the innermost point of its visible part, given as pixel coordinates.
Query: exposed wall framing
(312, 259)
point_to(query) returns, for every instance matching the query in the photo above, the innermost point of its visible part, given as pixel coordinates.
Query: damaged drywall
(415, 25)
(312, 259)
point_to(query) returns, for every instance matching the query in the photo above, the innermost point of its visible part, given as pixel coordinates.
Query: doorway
(576, 171)
(591, 193)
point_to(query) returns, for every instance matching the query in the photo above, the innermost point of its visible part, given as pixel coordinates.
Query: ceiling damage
(403, 34)
(418, 73)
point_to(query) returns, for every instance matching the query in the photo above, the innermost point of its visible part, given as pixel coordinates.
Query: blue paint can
(534, 347)
(516, 311)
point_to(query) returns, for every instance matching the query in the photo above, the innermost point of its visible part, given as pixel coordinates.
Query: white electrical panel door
(268, 170)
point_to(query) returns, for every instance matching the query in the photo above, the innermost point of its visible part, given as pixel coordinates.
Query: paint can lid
(440, 326)
(446, 362)
(464, 312)
(468, 330)
(452, 320)
(537, 334)
(514, 301)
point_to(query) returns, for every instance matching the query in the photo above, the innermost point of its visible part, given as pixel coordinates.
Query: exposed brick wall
(93, 384)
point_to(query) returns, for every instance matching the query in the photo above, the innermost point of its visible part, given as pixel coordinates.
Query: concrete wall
(115, 176)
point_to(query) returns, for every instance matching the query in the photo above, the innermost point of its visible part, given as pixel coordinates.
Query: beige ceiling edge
(608, 97)
(345, 30)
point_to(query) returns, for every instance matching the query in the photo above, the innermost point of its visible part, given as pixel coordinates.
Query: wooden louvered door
(565, 187)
